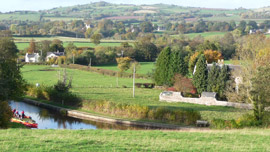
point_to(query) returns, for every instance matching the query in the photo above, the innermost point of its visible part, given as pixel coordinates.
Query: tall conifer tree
(200, 76)
(162, 71)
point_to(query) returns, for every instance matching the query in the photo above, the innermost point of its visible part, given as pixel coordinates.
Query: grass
(93, 86)
(24, 45)
(113, 140)
(205, 34)
(17, 125)
(145, 67)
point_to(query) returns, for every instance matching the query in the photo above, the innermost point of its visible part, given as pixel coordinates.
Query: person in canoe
(14, 112)
(23, 115)
(17, 114)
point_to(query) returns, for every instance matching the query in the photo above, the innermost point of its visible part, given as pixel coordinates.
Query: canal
(48, 119)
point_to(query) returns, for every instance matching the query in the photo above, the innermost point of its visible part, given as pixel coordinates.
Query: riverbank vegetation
(117, 140)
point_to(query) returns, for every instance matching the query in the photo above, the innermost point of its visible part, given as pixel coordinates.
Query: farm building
(51, 55)
(32, 58)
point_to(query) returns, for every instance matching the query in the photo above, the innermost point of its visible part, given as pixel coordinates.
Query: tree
(95, 38)
(193, 60)
(69, 50)
(161, 75)
(85, 58)
(222, 81)
(212, 56)
(88, 33)
(178, 63)
(227, 44)
(212, 79)
(123, 63)
(254, 54)
(44, 46)
(200, 75)
(32, 47)
(12, 85)
(57, 45)
(147, 27)
(145, 50)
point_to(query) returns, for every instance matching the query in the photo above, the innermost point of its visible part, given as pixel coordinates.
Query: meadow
(23, 42)
(24, 45)
(145, 67)
(206, 35)
(97, 87)
(148, 140)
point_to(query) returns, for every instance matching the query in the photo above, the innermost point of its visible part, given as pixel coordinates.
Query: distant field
(22, 46)
(21, 17)
(64, 39)
(62, 18)
(29, 140)
(145, 67)
(205, 35)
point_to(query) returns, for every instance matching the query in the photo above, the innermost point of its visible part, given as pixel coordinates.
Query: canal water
(48, 119)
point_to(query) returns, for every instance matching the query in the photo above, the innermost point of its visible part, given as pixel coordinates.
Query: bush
(5, 115)
(51, 94)
(144, 112)
(244, 121)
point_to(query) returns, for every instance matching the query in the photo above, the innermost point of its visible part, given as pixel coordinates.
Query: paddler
(23, 115)
(17, 114)
(14, 112)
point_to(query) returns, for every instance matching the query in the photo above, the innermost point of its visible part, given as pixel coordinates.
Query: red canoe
(27, 122)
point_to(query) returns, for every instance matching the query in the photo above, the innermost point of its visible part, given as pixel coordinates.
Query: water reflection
(48, 119)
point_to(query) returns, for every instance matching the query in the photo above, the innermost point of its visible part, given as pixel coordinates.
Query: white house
(51, 55)
(32, 58)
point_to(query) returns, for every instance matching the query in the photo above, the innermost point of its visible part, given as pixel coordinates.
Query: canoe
(27, 122)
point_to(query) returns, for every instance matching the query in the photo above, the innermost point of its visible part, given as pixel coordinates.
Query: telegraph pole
(134, 71)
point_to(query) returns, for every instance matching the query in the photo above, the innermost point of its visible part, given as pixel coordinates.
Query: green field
(24, 45)
(23, 42)
(113, 140)
(93, 86)
(20, 16)
(145, 67)
(206, 35)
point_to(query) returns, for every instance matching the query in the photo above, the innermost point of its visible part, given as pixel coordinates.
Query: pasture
(206, 35)
(145, 67)
(134, 140)
(97, 87)
(23, 42)
(24, 45)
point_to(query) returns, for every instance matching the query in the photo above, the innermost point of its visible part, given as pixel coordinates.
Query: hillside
(103, 10)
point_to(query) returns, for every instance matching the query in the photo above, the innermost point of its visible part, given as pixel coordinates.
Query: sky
(12, 5)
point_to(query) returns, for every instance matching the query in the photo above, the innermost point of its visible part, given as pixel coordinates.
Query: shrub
(5, 115)
(51, 94)
(183, 84)
(144, 112)
(244, 121)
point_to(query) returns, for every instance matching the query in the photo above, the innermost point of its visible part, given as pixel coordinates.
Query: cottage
(51, 55)
(32, 58)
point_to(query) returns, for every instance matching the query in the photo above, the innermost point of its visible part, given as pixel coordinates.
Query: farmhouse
(32, 58)
(51, 55)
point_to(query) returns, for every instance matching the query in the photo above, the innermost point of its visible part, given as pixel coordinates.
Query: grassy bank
(108, 140)
(97, 87)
